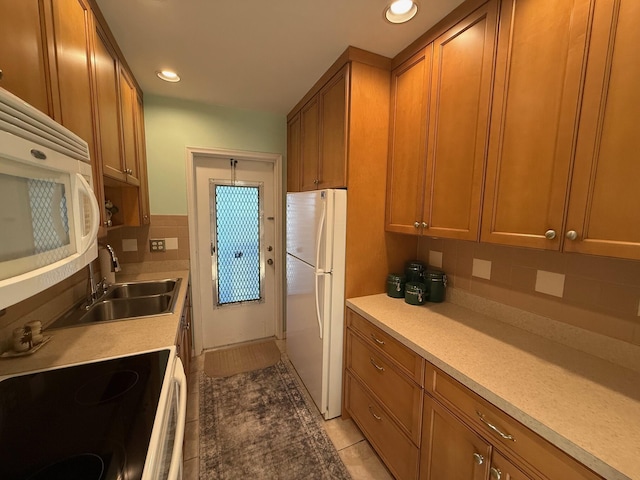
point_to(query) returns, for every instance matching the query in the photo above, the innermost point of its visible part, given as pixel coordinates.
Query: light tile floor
(356, 453)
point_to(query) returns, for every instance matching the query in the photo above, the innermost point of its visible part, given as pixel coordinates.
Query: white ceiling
(253, 54)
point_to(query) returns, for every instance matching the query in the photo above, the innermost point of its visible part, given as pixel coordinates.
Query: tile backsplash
(132, 243)
(598, 294)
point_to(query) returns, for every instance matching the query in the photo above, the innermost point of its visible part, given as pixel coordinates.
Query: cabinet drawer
(399, 454)
(406, 359)
(522, 443)
(400, 395)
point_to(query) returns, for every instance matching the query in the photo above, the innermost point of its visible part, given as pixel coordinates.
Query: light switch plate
(157, 245)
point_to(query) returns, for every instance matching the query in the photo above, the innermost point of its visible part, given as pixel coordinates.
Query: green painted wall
(171, 125)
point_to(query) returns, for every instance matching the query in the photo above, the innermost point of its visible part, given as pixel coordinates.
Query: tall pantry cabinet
(337, 138)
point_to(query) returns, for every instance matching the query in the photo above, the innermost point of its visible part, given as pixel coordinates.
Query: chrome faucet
(94, 289)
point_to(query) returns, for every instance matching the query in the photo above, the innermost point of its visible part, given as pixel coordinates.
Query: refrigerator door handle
(318, 306)
(318, 241)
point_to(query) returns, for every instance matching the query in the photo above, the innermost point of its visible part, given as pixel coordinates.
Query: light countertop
(588, 407)
(104, 340)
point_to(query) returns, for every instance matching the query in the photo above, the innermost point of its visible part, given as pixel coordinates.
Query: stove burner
(86, 466)
(107, 387)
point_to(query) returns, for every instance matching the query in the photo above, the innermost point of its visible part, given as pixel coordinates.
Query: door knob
(270, 262)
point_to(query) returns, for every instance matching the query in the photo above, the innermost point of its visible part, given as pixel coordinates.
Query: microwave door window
(34, 223)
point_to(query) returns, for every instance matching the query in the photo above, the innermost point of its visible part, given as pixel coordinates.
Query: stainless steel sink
(127, 308)
(140, 289)
(123, 301)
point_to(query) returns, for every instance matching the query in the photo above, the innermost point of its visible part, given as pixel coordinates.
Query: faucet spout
(115, 263)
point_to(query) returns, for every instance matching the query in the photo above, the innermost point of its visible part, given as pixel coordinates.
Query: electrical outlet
(157, 245)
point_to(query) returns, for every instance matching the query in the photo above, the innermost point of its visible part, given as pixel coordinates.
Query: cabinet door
(408, 130)
(333, 98)
(449, 448)
(128, 108)
(293, 154)
(503, 469)
(605, 190)
(310, 150)
(541, 48)
(23, 63)
(72, 32)
(141, 155)
(105, 66)
(459, 126)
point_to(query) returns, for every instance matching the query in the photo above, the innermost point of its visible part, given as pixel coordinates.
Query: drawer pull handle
(373, 362)
(494, 428)
(379, 342)
(479, 459)
(377, 417)
(496, 473)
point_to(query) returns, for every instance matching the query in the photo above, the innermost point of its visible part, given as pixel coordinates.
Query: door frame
(217, 154)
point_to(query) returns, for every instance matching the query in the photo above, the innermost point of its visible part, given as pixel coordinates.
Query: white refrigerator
(316, 237)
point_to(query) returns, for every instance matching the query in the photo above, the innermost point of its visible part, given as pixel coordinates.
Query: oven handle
(181, 389)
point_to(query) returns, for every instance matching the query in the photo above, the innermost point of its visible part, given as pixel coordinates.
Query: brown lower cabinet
(451, 433)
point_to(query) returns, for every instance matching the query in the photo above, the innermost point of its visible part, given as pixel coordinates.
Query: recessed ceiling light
(168, 76)
(401, 11)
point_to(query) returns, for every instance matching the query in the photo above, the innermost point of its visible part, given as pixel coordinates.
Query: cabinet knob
(571, 235)
(479, 459)
(1, 74)
(496, 474)
(316, 182)
(550, 234)
(424, 225)
(416, 224)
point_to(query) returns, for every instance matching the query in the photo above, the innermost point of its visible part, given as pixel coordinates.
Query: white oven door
(165, 449)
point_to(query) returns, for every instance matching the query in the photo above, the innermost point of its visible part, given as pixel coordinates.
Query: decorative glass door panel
(236, 235)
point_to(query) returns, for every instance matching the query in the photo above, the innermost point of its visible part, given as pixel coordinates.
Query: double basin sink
(123, 301)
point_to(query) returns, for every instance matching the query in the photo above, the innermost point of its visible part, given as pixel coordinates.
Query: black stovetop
(85, 422)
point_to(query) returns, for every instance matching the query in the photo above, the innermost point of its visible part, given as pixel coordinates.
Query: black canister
(395, 285)
(414, 272)
(415, 293)
(436, 281)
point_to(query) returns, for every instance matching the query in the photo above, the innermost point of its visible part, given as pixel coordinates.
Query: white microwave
(49, 215)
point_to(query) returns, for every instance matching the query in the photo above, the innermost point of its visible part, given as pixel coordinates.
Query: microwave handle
(181, 386)
(87, 241)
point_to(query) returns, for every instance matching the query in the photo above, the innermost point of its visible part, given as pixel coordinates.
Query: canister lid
(415, 265)
(434, 274)
(396, 277)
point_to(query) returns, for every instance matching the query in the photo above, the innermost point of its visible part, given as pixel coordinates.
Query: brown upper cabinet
(317, 144)
(24, 68)
(59, 56)
(562, 166)
(129, 107)
(293, 154)
(141, 149)
(439, 129)
(603, 216)
(534, 117)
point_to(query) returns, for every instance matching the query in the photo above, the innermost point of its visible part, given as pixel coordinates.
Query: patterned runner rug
(257, 425)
